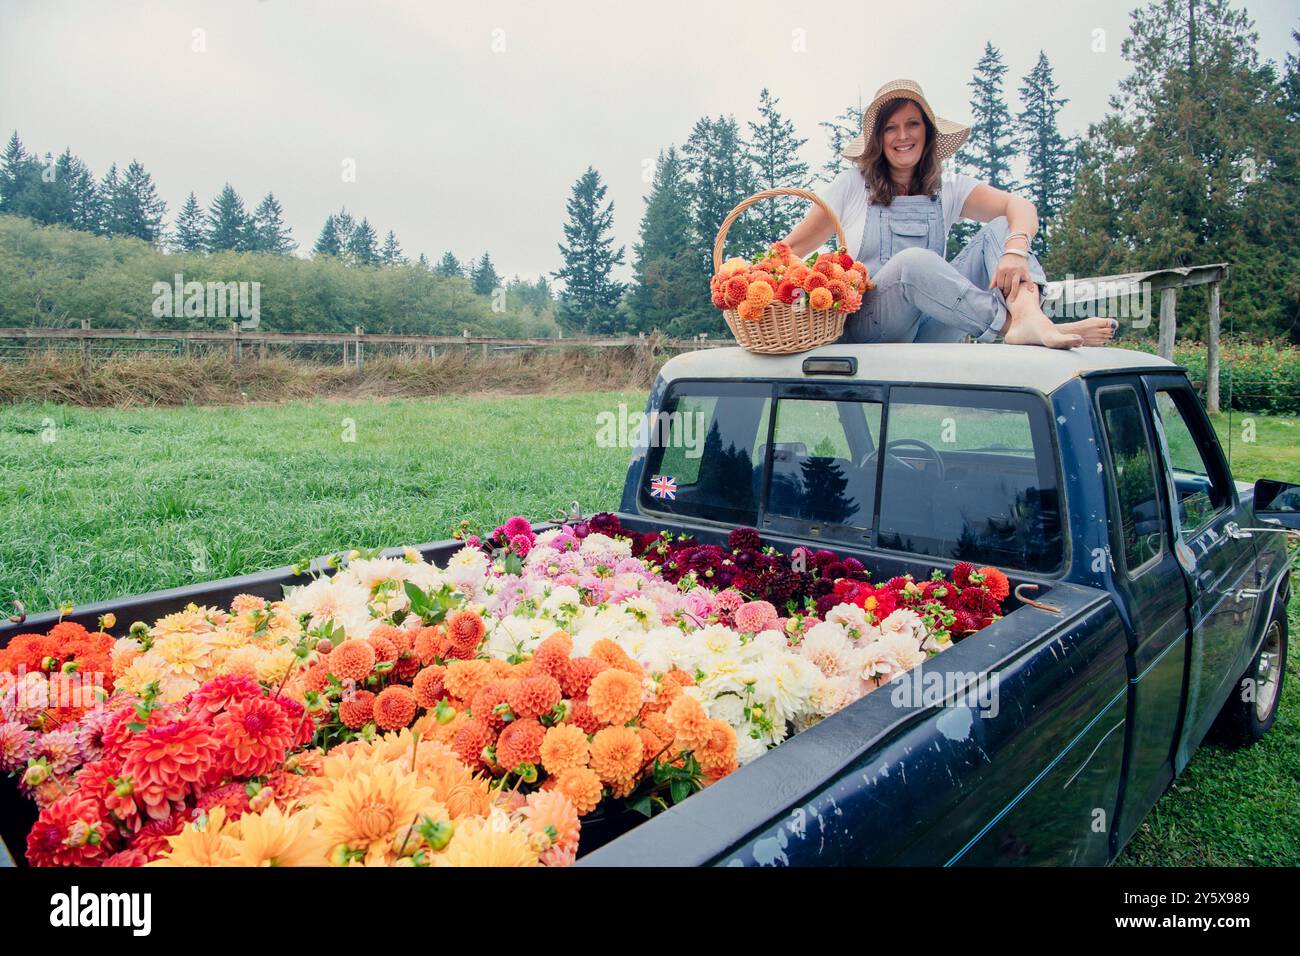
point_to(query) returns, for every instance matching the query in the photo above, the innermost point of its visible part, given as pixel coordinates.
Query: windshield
(965, 474)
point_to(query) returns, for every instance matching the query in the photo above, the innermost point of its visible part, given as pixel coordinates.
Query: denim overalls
(919, 297)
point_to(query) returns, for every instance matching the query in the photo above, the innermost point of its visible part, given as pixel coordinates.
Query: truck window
(970, 475)
(821, 470)
(1132, 468)
(1200, 489)
(704, 458)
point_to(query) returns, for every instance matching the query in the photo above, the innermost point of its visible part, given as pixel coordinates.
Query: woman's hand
(1013, 271)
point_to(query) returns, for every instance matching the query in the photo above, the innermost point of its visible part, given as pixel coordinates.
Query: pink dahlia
(15, 746)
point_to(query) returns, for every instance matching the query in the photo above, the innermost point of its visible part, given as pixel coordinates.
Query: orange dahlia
(385, 650)
(718, 755)
(488, 699)
(838, 288)
(612, 655)
(352, 660)
(464, 679)
(168, 762)
(551, 818)
(256, 734)
(689, 722)
(356, 710)
(520, 743)
(734, 292)
(578, 674)
(657, 724)
(427, 642)
(394, 707)
(563, 747)
(316, 677)
(615, 696)
(750, 311)
(820, 298)
(464, 631)
(582, 787)
(470, 741)
(400, 638)
(759, 293)
(813, 280)
(996, 582)
(616, 754)
(552, 655)
(534, 696)
(581, 715)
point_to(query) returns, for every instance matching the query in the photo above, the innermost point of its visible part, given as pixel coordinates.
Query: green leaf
(642, 806)
(680, 790)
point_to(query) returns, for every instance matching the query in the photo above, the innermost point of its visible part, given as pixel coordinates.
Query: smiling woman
(897, 205)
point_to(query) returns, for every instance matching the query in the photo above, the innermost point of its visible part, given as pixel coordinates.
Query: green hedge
(1255, 376)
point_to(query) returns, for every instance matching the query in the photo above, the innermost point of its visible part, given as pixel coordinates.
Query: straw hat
(948, 135)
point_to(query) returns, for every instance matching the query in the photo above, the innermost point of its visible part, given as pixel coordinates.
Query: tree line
(1195, 162)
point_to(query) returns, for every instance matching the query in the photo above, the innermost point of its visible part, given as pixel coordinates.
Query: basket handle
(769, 194)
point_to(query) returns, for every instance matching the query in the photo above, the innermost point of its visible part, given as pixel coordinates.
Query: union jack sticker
(663, 486)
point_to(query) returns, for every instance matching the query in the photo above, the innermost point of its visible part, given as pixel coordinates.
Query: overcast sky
(469, 122)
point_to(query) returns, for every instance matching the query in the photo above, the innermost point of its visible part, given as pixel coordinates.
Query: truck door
(1146, 574)
(1217, 563)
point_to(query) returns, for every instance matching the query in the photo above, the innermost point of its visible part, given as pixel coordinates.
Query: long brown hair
(926, 175)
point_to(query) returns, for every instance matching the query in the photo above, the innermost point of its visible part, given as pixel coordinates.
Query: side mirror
(1277, 503)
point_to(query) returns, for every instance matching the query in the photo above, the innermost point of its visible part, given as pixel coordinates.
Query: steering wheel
(915, 443)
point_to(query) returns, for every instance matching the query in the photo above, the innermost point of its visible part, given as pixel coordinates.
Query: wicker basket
(782, 329)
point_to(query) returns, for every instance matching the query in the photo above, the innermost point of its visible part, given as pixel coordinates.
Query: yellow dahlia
(480, 842)
(207, 842)
(365, 813)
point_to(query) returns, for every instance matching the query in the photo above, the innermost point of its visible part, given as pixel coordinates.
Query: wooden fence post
(85, 345)
(236, 350)
(1212, 354)
(359, 354)
(1168, 322)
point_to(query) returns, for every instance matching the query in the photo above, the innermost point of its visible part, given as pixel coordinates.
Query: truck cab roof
(1040, 369)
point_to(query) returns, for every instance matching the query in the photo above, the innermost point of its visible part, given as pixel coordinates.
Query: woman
(896, 205)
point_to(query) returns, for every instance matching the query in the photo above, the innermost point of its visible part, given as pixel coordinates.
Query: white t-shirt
(847, 195)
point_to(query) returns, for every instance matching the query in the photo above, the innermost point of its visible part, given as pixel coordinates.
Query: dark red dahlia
(605, 523)
(826, 603)
(961, 572)
(834, 570)
(822, 587)
(856, 569)
(744, 539)
(823, 558)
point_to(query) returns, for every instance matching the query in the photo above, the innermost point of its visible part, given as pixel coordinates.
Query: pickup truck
(1149, 609)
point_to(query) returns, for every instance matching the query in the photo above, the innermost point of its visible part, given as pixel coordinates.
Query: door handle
(1235, 531)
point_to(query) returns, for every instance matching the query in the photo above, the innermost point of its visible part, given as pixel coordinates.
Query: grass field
(96, 503)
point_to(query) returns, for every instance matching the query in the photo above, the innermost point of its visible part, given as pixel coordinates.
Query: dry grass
(213, 379)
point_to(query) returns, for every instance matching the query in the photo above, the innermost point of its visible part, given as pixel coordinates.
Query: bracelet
(1015, 252)
(1020, 235)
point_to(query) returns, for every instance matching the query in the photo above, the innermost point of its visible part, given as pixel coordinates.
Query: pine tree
(139, 210)
(362, 244)
(11, 171)
(227, 222)
(590, 298)
(327, 243)
(423, 262)
(85, 209)
(1049, 156)
(483, 277)
(110, 194)
(840, 131)
(449, 266)
(267, 231)
(190, 230)
(663, 261)
(391, 254)
(721, 176)
(773, 150)
(987, 153)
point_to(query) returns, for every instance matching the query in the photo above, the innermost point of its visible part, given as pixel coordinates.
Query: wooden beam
(1168, 323)
(1212, 354)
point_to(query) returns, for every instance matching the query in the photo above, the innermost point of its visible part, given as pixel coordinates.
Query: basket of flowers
(778, 303)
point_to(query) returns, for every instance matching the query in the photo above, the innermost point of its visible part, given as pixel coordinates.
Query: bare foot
(1028, 325)
(1094, 331)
